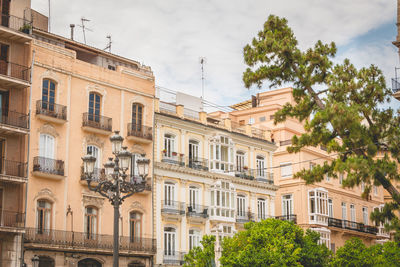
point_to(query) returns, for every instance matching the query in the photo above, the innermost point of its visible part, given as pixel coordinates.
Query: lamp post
(116, 187)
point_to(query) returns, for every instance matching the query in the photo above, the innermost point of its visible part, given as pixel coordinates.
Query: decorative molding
(55, 48)
(137, 206)
(92, 200)
(47, 194)
(92, 139)
(137, 149)
(48, 129)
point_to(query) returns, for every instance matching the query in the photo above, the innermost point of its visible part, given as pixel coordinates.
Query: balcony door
(239, 161)
(137, 117)
(169, 145)
(5, 13)
(241, 206)
(169, 241)
(287, 205)
(94, 107)
(48, 95)
(262, 208)
(4, 58)
(135, 227)
(4, 100)
(260, 166)
(193, 153)
(193, 198)
(91, 223)
(1, 206)
(169, 194)
(43, 215)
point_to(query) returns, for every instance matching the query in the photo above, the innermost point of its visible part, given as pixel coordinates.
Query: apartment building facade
(15, 70)
(80, 95)
(337, 213)
(208, 179)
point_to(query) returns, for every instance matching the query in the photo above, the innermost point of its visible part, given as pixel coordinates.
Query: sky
(170, 36)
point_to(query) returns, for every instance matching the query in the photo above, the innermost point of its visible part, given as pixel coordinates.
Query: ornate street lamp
(116, 188)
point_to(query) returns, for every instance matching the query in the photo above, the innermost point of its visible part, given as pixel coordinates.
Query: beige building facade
(209, 179)
(80, 95)
(337, 213)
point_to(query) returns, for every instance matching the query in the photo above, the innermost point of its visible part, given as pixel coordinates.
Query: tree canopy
(202, 256)
(343, 108)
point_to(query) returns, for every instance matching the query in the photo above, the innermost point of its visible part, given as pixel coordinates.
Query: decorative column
(184, 232)
(158, 225)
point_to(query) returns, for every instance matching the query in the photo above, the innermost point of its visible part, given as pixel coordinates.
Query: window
(312, 165)
(375, 190)
(94, 107)
(169, 194)
(223, 200)
(46, 146)
(95, 152)
(111, 67)
(135, 226)
(242, 122)
(43, 214)
(344, 211)
(90, 222)
(362, 186)
(137, 116)
(251, 120)
(194, 239)
(169, 145)
(318, 206)
(262, 209)
(352, 213)
(48, 94)
(286, 169)
(227, 231)
(260, 162)
(341, 177)
(365, 215)
(241, 206)
(239, 161)
(287, 205)
(327, 177)
(194, 198)
(262, 118)
(330, 208)
(221, 154)
(169, 241)
(193, 150)
(134, 168)
(325, 236)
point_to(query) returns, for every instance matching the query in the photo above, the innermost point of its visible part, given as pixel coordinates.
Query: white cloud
(170, 36)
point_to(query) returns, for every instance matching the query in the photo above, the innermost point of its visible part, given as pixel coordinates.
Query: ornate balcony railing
(285, 142)
(13, 168)
(138, 179)
(14, 118)
(173, 257)
(51, 109)
(16, 23)
(15, 70)
(173, 158)
(197, 163)
(12, 219)
(360, 227)
(97, 121)
(243, 217)
(263, 217)
(81, 240)
(197, 211)
(141, 131)
(395, 85)
(173, 207)
(244, 173)
(46, 165)
(289, 217)
(258, 174)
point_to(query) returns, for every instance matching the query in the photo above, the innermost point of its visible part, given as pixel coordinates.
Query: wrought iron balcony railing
(16, 23)
(14, 118)
(137, 179)
(81, 240)
(141, 131)
(15, 70)
(263, 217)
(97, 121)
(258, 174)
(12, 219)
(13, 168)
(173, 158)
(244, 173)
(173, 207)
(51, 109)
(345, 224)
(243, 217)
(395, 85)
(289, 217)
(197, 163)
(173, 257)
(197, 211)
(50, 166)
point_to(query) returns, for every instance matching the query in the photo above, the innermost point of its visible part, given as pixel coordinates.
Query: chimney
(72, 30)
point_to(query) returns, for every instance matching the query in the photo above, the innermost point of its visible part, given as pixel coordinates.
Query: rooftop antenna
(109, 43)
(202, 61)
(84, 28)
(49, 18)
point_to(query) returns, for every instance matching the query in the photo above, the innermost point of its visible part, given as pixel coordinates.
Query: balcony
(140, 133)
(48, 168)
(13, 75)
(174, 209)
(245, 173)
(395, 85)
(173, 258)
(96, 124)
(13, 171)
(197, 213)
(173, 158)
(15, 28)
(244, 217)
(197, 163)
(99, 174)
(12, 122)
(147, 186)
(289, 217)
(258, 174)
(382, 232)
(80, 240)
(353, 226)
(51, 112)
(12, 221)
(263, 217)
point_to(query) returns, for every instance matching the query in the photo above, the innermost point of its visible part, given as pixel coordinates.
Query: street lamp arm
(102, 188)
(130, 188)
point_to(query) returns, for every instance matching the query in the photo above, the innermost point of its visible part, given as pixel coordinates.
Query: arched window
(137, 116)
(46, 261)
(91, 222)
(89, 263)
(169, 241)
(194, 238)
(48, 94)
(169, 145)
(135, 223)
(261, 209)
(94, 107)
(43, 215)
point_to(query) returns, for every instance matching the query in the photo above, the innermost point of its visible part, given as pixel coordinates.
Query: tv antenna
(109, 43)
(84, 28)
(202, 61)
(49, 18)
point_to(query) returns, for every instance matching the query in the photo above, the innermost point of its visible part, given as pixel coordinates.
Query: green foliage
(273, 243)
(201, 256)
(342, 107)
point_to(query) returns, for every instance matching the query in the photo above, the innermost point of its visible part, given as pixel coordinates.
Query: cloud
(170, 36)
